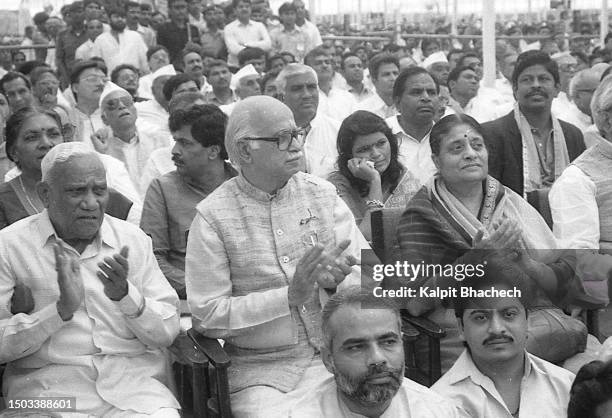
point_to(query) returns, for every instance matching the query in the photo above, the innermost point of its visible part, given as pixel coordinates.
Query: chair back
(118, 205)
(384, 233)
(539, 200)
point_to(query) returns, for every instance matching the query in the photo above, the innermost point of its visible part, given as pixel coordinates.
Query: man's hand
(101, 139)
(306, 273)
(336, 266)
(22, 300)
(113, 273)
(69, 281)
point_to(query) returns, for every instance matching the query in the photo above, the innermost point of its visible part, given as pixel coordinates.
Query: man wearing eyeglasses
(87, 82)
(127, 143)
(264, 251)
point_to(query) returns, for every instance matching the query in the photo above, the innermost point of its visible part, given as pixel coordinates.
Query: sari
(437, 228)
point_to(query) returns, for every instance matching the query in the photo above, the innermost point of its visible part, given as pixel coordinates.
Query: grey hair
(602, 102)
(60, 154)
(353, 295)
(579, 77)
(292, 70)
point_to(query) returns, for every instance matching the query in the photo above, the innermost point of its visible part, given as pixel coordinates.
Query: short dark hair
(235, 2)
(39, 71)
(156, 48)
(452, 52)
(15, 123)
(468, 54)
(591, 388)
(379, 59)
(428, 41)
(444, 126)
(353, 296)
(608, 37)
(175, 81)
(40, 18)
(88, 2)
(498, 271)
(13, 75)
(81, 66)
(272, 58)
(145, 7)
(250, 53)
(287, 8)
(191, 49)
(121, 67)
(116, 11)
(400, 83)
(347, 55)
(132, 5)
(530, 58)
(360, 123)
(316, 52)
(207, 123)
(456, 73)
(27, 67)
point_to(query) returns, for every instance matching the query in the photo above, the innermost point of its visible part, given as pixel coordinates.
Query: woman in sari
(462, 214)
(30, 134)
(370, 176)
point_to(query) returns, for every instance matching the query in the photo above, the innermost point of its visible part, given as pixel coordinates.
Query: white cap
(165, 70)
(61, 153)
(109, 88)
(564, 58)
(433, 59)
(245, 71)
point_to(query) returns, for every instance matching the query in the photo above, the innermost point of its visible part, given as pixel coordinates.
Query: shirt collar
(464, 368)
(47, 232)
(259, 194)
(396, 128)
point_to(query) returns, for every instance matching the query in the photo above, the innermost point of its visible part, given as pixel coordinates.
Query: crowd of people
(224, 163)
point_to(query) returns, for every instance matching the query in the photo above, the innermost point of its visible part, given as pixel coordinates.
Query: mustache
(537, 92)
(498, 338)
(376, 369)
(177, 160)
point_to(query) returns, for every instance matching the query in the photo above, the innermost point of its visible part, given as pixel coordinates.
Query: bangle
(375, 204)
(140, 310)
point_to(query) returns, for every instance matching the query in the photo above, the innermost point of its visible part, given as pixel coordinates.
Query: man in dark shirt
(177, 33)
(68, 41)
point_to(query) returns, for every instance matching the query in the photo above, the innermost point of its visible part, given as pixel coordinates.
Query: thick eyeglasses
(95, 79)
(113, 104)
(284, 139)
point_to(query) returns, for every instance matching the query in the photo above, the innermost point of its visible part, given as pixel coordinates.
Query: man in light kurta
(264, 251)
(101, 313)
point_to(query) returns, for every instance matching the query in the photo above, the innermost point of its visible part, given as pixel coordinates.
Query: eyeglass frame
(298, 135)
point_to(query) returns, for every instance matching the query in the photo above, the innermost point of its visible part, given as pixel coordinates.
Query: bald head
(581, 89)
(256, 116)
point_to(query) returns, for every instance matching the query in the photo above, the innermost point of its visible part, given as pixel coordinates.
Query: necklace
(27, 196)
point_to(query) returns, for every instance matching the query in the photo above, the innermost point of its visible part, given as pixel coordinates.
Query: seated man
(169, 206)
(495, 376)
(264, 250)
(363, 349)
(99, 330)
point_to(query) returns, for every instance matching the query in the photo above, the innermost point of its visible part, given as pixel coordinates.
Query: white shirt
(415, 155)
(152, 116)
(312, 31)
(117, 177)
(320, 146)
(544, 390)
(101, 355)
(85, 51)
(131, 49)
(592, 136)
(87, 125)
(566, 110)
(376, 105)
(338, 104)
(158, 164)
(252, 34)
(411, 401)
(478, 107)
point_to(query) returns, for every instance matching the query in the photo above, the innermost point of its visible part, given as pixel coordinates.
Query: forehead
(535, 70)
(352, 322)
(77, 168)
(440, 65)
(268, 120)
(368, 139)
(387, 66)
(352, 60)
(115, 95)
(126, 71)
(301, 79)
(467, 73)
(248, 78)
(459, 132)
(91, 71)
(192, 56)
(38, 122)
(492, 305)
(420, 80)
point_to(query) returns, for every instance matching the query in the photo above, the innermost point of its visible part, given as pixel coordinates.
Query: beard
(117, 26)
(360, 390)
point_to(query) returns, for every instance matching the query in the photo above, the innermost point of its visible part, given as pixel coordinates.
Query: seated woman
(462, 212)
(370, 176)
(30, 134)
(591, 393)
